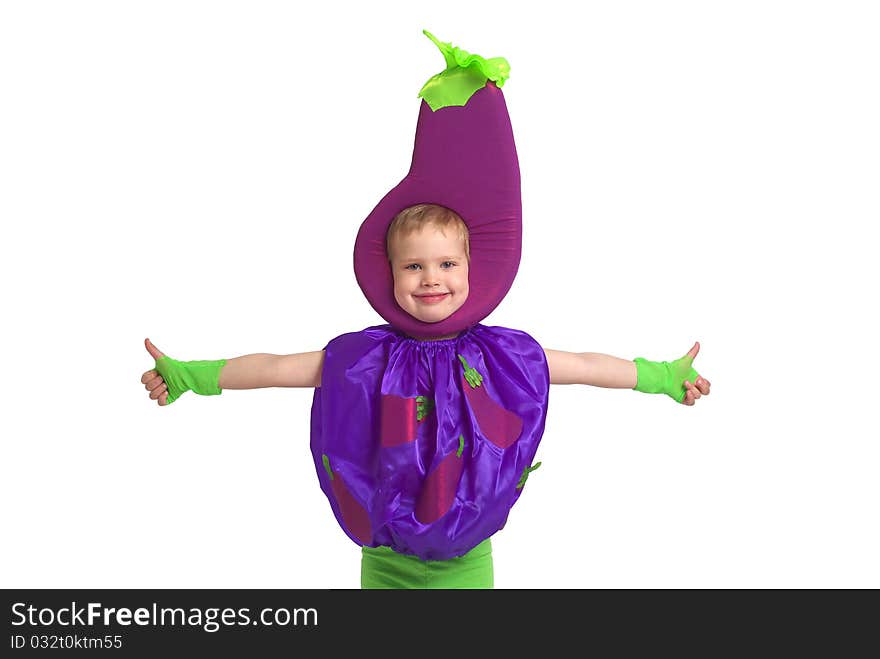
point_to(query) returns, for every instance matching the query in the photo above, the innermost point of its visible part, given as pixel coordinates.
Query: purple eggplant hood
(464, 159)
(391, 480)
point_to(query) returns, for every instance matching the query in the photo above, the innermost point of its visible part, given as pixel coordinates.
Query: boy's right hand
(153, 381)
(170, 379)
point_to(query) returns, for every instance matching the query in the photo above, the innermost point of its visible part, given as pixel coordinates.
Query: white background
(196, 172)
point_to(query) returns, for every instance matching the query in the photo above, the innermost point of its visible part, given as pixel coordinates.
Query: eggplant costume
(423, 446)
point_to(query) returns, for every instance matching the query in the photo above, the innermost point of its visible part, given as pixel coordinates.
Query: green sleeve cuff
(665, 377)
(202, 377)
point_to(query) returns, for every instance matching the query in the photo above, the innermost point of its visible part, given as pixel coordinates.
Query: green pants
(382, 567)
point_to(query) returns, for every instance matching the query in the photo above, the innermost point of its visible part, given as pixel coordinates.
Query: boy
(428, 250)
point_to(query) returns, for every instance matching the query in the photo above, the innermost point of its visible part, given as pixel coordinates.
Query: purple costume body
(423, 446)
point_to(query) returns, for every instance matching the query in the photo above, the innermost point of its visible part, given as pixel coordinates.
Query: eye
(412, 266)
(448, 263)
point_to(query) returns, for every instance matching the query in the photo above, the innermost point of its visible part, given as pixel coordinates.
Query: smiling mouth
(431, 299)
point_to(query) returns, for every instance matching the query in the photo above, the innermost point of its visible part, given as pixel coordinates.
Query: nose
(430, 277)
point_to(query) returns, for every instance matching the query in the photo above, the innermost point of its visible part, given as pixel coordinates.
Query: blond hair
(417, 217)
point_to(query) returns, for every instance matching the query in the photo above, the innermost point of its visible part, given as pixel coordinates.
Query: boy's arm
(591, 368)
(300, 370)
(171, 378)
(264, 370)
(676, 379)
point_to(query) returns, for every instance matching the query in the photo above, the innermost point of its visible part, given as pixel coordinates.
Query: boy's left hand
(700, 386)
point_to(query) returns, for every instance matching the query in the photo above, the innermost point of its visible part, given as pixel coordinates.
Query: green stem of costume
(665, 377)
(465, 74)
(202, 377)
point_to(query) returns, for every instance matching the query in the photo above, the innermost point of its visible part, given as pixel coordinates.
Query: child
(423, 431)
(429, 256)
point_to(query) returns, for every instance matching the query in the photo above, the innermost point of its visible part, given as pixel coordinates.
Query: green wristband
(202, 377)
(665, 377)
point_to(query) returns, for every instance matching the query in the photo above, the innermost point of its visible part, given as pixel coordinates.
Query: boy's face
(430, 274)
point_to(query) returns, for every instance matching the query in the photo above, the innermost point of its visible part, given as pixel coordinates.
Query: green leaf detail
(472, 376)
(525, 475)
(465, 74)
(460, 446)
(326, 461)
(424, 406)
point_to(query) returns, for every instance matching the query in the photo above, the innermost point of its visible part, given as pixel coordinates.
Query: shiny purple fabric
(388, 481)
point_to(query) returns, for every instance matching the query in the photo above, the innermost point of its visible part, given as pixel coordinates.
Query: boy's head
(429, 252)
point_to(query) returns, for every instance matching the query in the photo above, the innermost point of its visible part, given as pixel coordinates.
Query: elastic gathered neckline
(433, 343)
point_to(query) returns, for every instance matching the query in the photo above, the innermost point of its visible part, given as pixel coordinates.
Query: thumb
(155, 353)
(692, 353)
